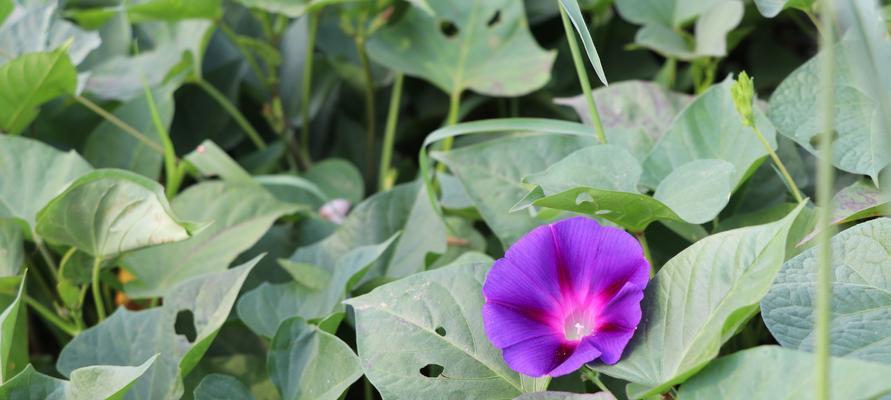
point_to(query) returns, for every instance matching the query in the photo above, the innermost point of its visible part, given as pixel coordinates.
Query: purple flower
(564, 295)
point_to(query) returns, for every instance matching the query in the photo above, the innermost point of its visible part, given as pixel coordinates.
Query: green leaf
(31, 174)
(860, 200)
(337, 179)
(129, 337)
(266, 307)
(495, 164)
(211, 160)
(773, 372)
(634, 113)
(607, 167)
(110, 147)
(565, 396)
(578, 21)
(433, 319)
(101, 382)
(221, 387)
(291, 8)
(39, 28)
(29, 81)
(6, 8)
(108, 212)
(491, 50)
(698, 190)
(306, 363)
(697, 301)
(861, 280)
(771, 8)
(709, 128)
(152, 10)
(311, 276)
(860, 142)
(12, 254)
(240, 215)
(13, 337)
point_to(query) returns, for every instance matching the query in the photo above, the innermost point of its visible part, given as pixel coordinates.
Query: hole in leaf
(432, 370)
(441, 331)
(185, 325)
(496, 18)
(448, 28)
(816, 139)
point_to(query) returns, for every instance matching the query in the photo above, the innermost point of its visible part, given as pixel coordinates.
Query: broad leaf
(578, 21)
(221, 387)
(38, 28)
(565, 396)
(152, 10)
(12, 255)
(860, 141)
(13, 337)
(29, 81)
(102, 382)
(697, 301)
(489, 51)
(338, 179)
(239, 216)
(31, 174)
(502, 164)
(211, 160)
(110, 147)
(130, 337)
(266, 307)
(698, 190)
(432, 320)
(634, 113)
(861, 307)
(860, 200)
(108, 212)
(306, 363)
(770, 8)
(709, 128)
(773, 372)
(290, 8)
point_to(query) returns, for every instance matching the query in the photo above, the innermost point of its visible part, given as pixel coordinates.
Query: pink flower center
(578, 324)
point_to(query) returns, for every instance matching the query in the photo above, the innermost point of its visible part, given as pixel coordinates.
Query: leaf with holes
(697, 301)
(239, 215)
(422, 336)
(100, 382)
(108, 212)
(307, 363)
(861, 305)
(181, 330)
(481, 45)
(29, 81)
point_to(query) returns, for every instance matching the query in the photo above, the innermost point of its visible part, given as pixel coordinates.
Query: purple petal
(537, 357)
(526, 276)
(617, 321)
(507, 325)
(585, 352)
(600, 259)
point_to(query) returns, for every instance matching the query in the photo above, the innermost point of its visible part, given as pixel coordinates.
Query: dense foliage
(302, 199)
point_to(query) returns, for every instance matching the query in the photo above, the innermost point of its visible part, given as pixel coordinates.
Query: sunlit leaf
(101, 382)
(29, 81)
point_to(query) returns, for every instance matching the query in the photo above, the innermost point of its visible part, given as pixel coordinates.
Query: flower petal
(539, 356)
(526, 276)
(585, 352)
(508, 325)
(600, 259)
(617, 322)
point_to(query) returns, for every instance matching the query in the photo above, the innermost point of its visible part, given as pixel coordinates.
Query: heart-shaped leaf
(29, 81)
(481, 45)
(307, 363)
(25, 162)
(697, 301)
(38, 28)
(422, 337)
(201, 304)
(239, 216)
(108, 212)
(101, 382)
(861, 306)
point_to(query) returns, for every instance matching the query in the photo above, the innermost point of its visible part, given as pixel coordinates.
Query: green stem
(233, 37)
(825, 177)
(306, 89)
(390, 134)
(452, 119)
(224, 102)
(65, 258)
(594, 377)
(173, 188)
(48, 258)
(790, 182)
(583, 75)
(169, 151)
(370, 118)
(97, 292)
(50, 316)
(119, 123)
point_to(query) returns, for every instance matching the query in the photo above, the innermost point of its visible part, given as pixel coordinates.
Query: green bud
(743, 92)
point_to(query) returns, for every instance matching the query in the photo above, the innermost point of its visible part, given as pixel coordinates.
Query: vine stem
(390, 133)
(170, 167)
(583, 75)
(233, 37)
(50, 316)
(594, 377)
(97, 293)
(790, 182)
(825, 177)
(48, 258)
(306, 89)
(370, 119)
(233, 112)
(119, 123)
(452, 119)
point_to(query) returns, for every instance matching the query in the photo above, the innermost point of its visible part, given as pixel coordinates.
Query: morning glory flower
(564, 295)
